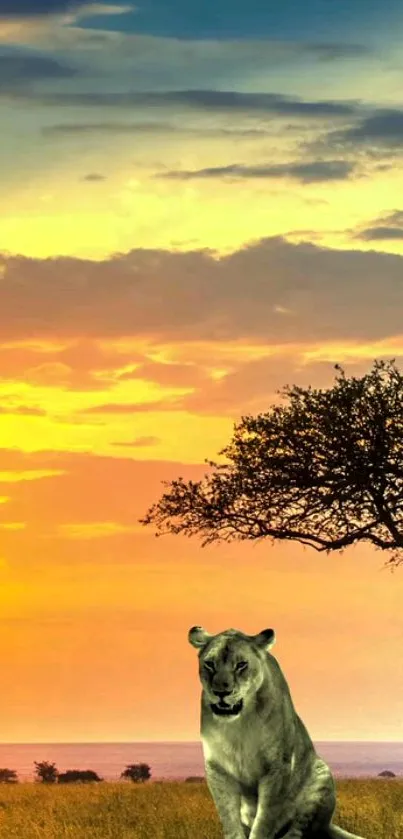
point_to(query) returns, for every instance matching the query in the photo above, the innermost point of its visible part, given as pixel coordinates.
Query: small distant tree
(137, 772)
(46, 772)
(325, 471)
(84, 776)
(8, 776)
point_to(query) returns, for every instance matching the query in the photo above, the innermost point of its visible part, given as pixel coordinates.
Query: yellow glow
(97, 529)
(14, 476)
(38, 345)
(13, 525)
(218, 374)
(97, 222)
(351, 350)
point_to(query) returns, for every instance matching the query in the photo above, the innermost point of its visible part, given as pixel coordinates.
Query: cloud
(88, 10)
(163, 296)
(13, 525)
(94, 176)
(188, 374)
(86, 488)
(76, 365)
(335, 51)
(78, 9)
(315, 171)
(134, 407)
(395, 217)
(139, 442)
(233, 101)
(380, 233)
(23, 410)
(383, 130)
(33, 8)
(389, 227)
(17, 67)
(9, 476)
(99, 128)
(98, 529)
(386, 127)
(223, 101)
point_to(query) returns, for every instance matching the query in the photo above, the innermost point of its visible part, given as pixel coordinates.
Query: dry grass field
(169, 810)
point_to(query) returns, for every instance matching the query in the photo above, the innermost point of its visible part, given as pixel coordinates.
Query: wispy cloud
(13, 525)
(138, 442)
(151, 127)
(22, 66)
(76, 9)
(22, 410)
(315, 171)
(380, 233)
(205, 100)
(97, 529)
(384, 127)
(11, 477)
(388, 227)
(334, 51)
(134, 407)
(94, 176)
(381, 130)
(31, 8)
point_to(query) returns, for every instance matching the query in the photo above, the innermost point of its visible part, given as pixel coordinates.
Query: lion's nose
(222, 693)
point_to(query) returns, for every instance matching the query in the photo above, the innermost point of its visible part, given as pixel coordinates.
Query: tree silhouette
(137, 772)
(74, 775)
(8, 776)
(325, 471)
(46, 772)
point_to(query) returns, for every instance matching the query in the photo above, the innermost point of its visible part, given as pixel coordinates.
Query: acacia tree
(46, 772)
(137, 772)
(326, 471)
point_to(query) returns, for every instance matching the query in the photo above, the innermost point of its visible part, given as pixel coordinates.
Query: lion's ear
(198, 637)
(266, 638)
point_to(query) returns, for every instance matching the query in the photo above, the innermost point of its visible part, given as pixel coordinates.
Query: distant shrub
(8, 776)
(386, 774)
(137, 772)
(84, 776)
(194, 779)
(46, 772)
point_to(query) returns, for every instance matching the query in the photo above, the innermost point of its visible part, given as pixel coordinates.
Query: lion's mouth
(224, 710)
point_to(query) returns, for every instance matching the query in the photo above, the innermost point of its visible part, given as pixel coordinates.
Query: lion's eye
(242, 665)
(209, 665)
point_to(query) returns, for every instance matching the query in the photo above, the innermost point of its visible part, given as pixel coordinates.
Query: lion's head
(231, 667)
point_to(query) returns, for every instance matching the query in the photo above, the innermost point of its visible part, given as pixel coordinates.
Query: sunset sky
(201, 202)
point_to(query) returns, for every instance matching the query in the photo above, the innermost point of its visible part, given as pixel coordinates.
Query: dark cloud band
(330, 170)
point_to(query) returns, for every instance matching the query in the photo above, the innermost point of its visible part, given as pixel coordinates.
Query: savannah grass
(170, 810)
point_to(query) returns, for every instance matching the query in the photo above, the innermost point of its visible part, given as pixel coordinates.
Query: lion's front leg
(270, 813)
(226, 795)
(248, 812)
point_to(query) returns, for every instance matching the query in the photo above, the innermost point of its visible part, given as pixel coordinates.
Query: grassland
(170, 810)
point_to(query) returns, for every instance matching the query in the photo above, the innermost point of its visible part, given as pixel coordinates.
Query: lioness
(261, 766)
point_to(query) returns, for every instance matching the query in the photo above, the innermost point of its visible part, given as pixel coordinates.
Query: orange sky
(150, 296)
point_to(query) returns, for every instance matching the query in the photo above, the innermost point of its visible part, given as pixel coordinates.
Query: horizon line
(154, 742)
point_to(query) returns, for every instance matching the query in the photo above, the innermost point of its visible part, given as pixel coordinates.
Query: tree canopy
(137, 772)
(325, 471)
(46, 772)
